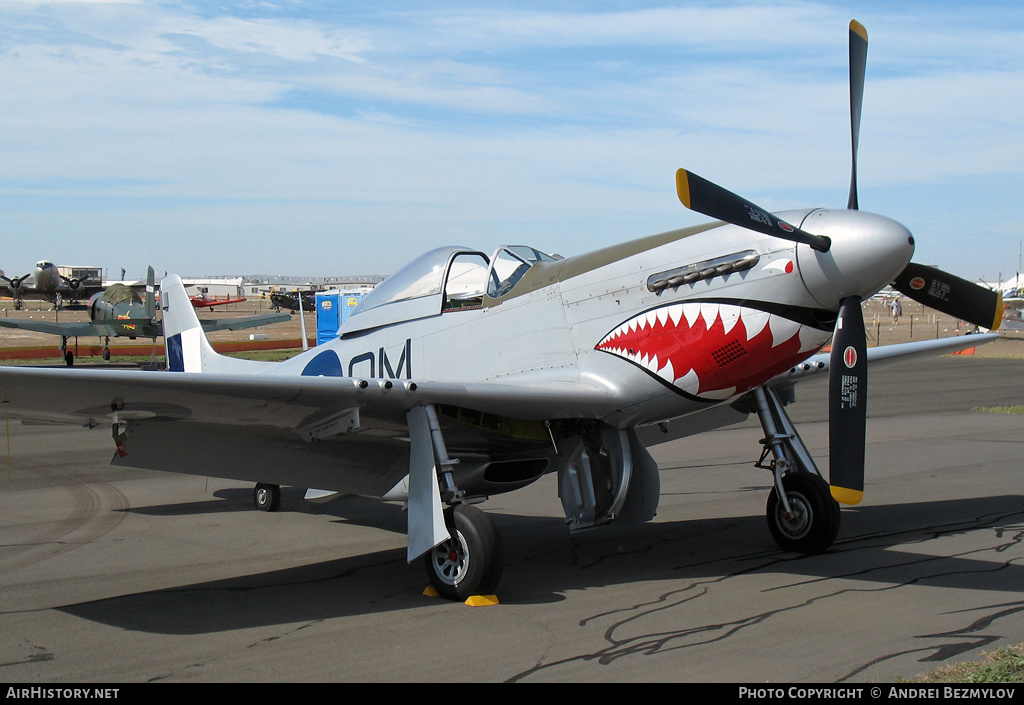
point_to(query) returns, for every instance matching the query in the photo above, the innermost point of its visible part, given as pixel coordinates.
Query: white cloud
(478, 125)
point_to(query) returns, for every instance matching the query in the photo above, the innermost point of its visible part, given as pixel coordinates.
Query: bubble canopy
(444, 279)
(424, 276)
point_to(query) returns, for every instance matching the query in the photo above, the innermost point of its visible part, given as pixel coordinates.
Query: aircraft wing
(70, 330)
(887, 354)
(100, 328)
(87, 397)
(816, 366)
(264, 319)
(332, 433)
(29, 293)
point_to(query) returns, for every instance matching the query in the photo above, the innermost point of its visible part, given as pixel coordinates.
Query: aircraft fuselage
(666, 325)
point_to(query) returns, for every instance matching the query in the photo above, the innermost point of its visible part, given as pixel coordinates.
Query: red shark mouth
(712, 351)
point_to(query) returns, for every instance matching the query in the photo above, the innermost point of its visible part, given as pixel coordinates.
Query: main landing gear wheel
(267, 498)
(813, 521)
(470, 562)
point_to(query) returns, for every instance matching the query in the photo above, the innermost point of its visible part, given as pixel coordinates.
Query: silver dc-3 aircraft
(465, 375)
(47, 284)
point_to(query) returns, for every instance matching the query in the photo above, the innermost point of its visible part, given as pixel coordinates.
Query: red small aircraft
(201, 301)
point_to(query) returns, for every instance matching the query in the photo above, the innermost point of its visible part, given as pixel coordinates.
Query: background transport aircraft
(47, 283)
(464, 375)
(118, 311)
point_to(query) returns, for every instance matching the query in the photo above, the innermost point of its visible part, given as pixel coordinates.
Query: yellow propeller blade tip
(858, 29)
(844, 495)
(998, 320)
(683, 186)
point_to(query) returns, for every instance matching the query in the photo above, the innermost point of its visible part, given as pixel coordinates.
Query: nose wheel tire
(267, 498)
(812, 523)
(470, 562)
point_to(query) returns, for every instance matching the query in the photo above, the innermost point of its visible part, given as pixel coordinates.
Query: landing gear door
(604, 476)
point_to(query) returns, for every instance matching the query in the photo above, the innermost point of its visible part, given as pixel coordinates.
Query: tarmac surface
(111, 575)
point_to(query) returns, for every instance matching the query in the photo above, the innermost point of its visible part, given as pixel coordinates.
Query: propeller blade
(952, 295)
(712, 200)
(858, 65)
(847, 406)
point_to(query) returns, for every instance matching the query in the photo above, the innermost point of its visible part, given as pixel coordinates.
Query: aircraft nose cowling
(866, 254)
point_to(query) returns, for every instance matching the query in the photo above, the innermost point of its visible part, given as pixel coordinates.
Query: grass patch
(1001, 666)
(1017, 409)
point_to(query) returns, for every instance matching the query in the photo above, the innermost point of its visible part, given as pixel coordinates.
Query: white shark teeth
(782, 329)
(689, 383)
(709, 312)
(691, 311)
(668, 373)
(669, 317)
(754, 322)
(812, 339)
(729, 316)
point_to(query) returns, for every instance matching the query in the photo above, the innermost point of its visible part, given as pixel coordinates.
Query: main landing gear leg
(69, 357)
(470, 561)
(802, 515)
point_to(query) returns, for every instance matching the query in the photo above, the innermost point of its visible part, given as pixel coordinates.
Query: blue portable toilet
(332, 310)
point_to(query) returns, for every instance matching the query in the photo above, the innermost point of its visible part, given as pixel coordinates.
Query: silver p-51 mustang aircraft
(465, 375)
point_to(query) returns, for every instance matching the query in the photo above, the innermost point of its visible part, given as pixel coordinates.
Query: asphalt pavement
(120, 576)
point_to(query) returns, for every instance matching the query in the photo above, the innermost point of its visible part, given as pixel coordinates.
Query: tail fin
(185, 342)
(150, 301)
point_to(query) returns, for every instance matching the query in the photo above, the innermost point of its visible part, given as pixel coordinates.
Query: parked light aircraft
(47, 284)
(296, 301)
(1013, 318)
(200, 301)
(118, 311)
(463, 376)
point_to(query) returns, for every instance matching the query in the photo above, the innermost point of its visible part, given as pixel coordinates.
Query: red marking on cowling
(725, 362)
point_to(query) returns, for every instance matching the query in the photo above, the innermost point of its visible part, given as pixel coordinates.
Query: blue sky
(329, 139)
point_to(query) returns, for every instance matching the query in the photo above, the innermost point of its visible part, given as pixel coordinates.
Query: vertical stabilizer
(150, 300)
(185, 342)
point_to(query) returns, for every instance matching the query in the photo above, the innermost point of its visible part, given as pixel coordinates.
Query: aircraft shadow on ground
(349, 509)
(544, 563)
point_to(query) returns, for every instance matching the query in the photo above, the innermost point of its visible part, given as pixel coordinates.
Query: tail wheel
(267, 498)
(470, 561)
(812, 523)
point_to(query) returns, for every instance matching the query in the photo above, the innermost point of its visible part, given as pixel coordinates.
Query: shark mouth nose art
(712, 350)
